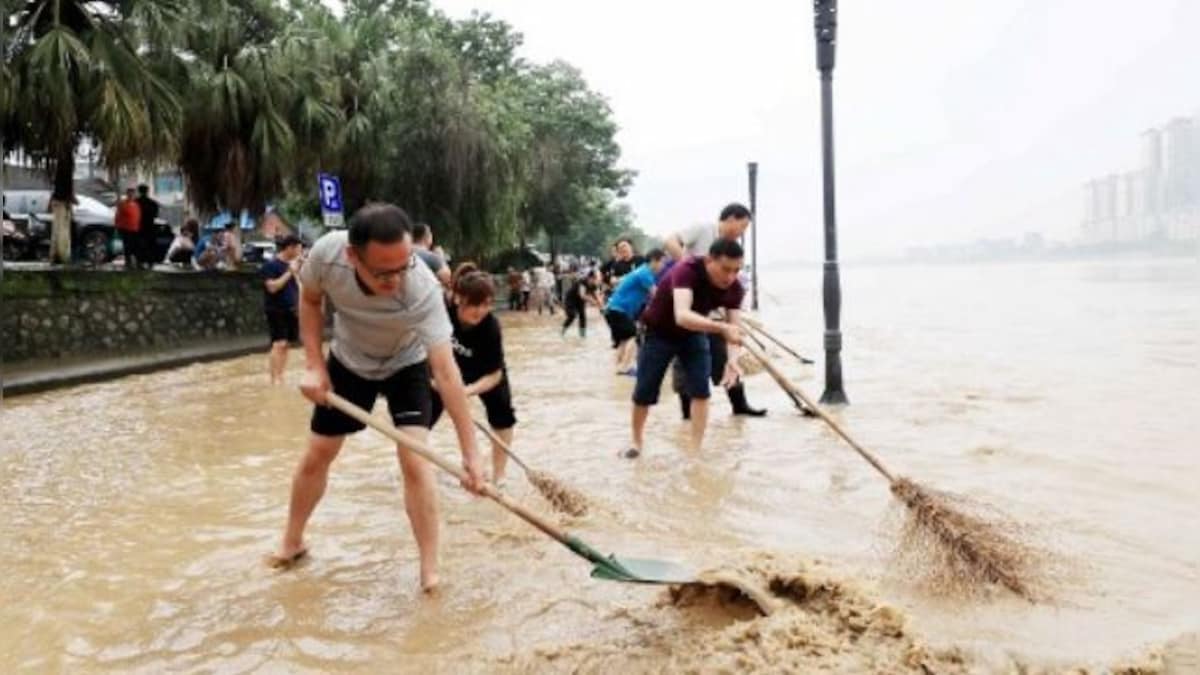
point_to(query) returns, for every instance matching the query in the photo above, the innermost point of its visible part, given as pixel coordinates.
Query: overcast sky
(954, 119)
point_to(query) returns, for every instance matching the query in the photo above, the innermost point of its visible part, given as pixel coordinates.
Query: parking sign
(330, 191)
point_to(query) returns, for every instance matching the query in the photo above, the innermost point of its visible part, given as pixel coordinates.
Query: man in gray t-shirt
(423, 247)
(695, 241)
(390, 332)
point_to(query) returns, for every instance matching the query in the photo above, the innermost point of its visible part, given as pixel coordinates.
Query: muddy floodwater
(136, 512)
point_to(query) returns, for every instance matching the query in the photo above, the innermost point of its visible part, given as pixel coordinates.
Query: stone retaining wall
(65, 313)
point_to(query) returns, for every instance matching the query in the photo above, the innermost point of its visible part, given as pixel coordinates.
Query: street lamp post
(825, 23)
(752, 167)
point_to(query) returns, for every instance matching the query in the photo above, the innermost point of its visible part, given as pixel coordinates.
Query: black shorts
(407, 392)
(620, 325)
(283, 325)
(497, 401)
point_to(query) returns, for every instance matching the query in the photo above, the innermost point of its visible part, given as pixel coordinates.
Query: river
(137, 511)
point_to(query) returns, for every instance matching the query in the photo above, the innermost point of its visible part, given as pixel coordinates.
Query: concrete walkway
(31, 377)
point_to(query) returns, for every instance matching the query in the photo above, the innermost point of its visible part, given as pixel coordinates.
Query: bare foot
(429, 582)
(286, 558)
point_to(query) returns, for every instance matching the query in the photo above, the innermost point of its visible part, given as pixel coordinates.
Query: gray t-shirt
(374, 335)
(433, 260)
(697, 239)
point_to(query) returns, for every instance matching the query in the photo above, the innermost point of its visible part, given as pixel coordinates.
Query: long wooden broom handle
(779, 378)
(495, 438)
(750, 334)
(428, 453)
(757, 326)
(796, 391)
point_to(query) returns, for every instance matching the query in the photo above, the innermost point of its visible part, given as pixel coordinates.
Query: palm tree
(352, 59)
(75, 69)
(419, 127)
(255, 107)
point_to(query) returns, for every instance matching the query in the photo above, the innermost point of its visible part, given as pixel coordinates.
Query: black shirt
(613, 270)
(288, 295)
(606, 268)
(478, 349)
(620, 268)
(573, 293)
(149, 209)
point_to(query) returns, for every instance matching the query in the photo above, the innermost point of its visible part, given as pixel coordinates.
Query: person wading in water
(280, 295)
(678, 327)
(390, 331)
(625, 306)
(586, 289)
(479, 352)
(695, 241)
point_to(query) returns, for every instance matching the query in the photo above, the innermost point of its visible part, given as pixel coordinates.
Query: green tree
(258, 109)
(75, 69)
(451, 146)
(601, 221)
(252, 97)
(572, 164)
(427, 121)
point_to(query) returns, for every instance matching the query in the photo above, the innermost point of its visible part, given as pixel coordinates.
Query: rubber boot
(737, 399)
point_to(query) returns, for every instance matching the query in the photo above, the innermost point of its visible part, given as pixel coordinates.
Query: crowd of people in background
(672, 309)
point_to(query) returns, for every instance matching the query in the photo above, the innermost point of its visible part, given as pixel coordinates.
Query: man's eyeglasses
(383, 276)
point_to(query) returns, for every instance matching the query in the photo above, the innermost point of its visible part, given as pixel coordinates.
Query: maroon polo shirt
(659, 316)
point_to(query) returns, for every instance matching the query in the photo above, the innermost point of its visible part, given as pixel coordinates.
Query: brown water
(136, 512)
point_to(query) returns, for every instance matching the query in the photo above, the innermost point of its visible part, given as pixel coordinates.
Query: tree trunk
(60, 232)
(61, 200)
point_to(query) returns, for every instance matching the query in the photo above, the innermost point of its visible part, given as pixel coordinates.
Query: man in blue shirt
(625, 305)
(280, 294)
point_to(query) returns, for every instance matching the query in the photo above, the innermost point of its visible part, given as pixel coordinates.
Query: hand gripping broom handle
(796, 391)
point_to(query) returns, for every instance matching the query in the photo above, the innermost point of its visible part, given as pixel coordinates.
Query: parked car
(93, 234)
(258, 251)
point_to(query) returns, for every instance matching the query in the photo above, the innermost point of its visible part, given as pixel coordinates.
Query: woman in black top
(584, 290)
(479, 351)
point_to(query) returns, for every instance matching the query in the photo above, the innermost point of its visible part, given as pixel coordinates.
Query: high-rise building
(1109, 188)
(1179, 165)
(1161, 199)
(1131, 207)
(1090, 211)
(1152, 169)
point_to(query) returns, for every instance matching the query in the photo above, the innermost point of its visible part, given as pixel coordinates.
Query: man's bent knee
(413, 465)
(322, 450)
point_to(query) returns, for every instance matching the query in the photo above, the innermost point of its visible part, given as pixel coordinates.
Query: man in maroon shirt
(677, 324)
